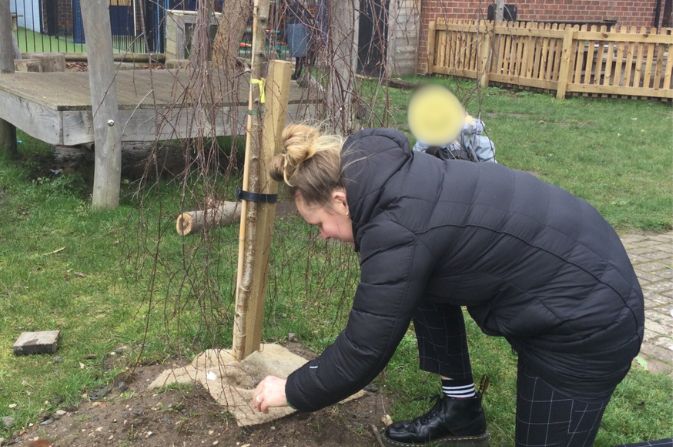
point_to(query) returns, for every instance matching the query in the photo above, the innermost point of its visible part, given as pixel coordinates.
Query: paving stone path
(652, 258)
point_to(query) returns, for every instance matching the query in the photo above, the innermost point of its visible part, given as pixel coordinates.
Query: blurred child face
(332, 219)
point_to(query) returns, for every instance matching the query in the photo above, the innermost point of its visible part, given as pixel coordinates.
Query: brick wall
(625, 12)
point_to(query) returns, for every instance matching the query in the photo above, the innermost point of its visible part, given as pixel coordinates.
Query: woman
(531, 263)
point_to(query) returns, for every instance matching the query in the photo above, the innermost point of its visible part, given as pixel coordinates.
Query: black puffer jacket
(531, 262)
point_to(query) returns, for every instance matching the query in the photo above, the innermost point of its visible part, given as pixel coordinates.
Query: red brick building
(649, 13)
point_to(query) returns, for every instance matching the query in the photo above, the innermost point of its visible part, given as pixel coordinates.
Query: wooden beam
(73, 127)
(643, 37)
(7, 131)
(123, 57)
(617, 90)
(528, 82)
(35, 119)
(107, 128)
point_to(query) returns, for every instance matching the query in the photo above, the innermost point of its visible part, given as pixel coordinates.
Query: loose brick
(43, 342)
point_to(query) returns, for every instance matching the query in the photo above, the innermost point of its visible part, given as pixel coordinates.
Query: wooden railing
(568, 59)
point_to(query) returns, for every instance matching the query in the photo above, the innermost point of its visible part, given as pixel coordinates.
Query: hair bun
(310, 162)
(299, 143)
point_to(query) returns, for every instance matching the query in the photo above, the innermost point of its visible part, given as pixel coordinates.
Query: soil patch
(132, 415)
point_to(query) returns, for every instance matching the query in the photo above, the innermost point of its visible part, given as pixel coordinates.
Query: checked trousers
(544, 415)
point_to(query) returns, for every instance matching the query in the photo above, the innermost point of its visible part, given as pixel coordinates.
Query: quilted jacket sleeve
(394, 270)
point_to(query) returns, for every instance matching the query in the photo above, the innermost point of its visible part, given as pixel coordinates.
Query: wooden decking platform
(153, 105)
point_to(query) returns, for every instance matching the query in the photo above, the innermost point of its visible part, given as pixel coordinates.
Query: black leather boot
(451, 422)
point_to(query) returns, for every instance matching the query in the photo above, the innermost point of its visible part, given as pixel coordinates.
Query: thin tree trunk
(499, 10)
(342, 59)
(251, 182)
(200, 44)
(230, 31)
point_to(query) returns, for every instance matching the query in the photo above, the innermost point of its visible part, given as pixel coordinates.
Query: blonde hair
(310, 163)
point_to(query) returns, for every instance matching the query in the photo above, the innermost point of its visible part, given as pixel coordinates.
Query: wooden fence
(569, 59)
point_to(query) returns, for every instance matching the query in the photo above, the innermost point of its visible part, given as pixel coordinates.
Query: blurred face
(332, 219)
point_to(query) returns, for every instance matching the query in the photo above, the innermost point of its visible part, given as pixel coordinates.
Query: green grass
(34, 42)
(90, 273)
(614, 153)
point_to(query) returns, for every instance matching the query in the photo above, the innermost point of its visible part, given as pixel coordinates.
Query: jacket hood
(369, 159)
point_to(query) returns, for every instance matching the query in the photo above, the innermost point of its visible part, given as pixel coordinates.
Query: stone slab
(42, 342)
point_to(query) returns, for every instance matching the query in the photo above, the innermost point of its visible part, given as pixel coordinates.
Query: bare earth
(188, 416)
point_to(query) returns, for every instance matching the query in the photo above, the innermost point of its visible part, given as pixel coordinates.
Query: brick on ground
(42, 342)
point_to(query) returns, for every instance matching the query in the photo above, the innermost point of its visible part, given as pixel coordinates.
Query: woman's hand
(269, 393)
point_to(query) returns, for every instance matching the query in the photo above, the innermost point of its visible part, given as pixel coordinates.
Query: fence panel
(531, 53)
(566, 58)
(55, 26)
(624, 62)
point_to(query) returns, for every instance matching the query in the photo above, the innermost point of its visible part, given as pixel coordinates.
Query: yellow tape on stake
(262, 94)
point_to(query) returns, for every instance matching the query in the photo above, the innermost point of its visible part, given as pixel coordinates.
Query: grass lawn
(33, 42)
(93, 275)
(614, 153)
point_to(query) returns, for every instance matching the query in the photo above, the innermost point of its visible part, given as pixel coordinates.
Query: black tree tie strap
(255, 197)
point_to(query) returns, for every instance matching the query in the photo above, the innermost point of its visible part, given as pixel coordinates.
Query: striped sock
(458, 389)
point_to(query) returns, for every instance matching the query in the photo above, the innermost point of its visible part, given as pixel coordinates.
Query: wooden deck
(153, 105)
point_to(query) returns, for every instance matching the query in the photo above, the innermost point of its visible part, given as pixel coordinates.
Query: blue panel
(77, 24)
(121, 20)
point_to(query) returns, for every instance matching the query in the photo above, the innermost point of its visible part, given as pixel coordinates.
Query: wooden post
(107, 131)
(484, 55)
(564, 71)
(277, 94)
(263, 138)
(7, 130)
(432, 34)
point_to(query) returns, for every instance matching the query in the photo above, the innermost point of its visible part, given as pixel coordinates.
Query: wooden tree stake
(263, 140)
